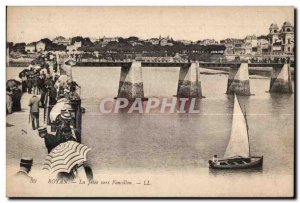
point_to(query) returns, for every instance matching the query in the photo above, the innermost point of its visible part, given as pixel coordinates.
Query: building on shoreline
(281, 41)
(262, 45)
(208, 42)
(60, 40)
(74, 47)
(30, 48)
(40, 46)
(278, 42)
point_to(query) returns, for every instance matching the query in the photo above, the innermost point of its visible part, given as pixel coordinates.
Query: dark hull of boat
(255, 162)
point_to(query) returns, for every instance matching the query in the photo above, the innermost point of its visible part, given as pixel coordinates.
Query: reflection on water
(184, 141)
(257, 171)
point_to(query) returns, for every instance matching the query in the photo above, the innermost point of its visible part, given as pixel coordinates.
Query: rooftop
(274, 26)
(286, 24)
(59, 38)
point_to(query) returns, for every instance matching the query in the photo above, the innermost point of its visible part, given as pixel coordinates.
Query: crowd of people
(13, 96)
(57, 95)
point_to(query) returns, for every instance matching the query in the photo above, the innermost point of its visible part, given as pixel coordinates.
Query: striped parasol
(65, 156)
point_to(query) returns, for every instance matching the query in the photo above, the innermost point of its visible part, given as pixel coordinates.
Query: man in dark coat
(24, 82)
(49, 82)
(65, 135)
(73, 85)
(50, 140)
(41, 82)
(52, 95)
(25, 168)
(29, 84)
(16, 97)
(35, 82)
(43, 95)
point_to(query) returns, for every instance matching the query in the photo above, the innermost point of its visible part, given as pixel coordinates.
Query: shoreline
(254, 72)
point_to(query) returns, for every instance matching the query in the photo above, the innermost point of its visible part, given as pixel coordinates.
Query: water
(178, 141)
(183, 143)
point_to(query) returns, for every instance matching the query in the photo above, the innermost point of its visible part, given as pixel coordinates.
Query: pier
(281, 79)
(189, 83)
(238, 80)
(175, 64)
(131, 81)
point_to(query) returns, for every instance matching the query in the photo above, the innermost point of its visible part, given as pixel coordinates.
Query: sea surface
(183, 143)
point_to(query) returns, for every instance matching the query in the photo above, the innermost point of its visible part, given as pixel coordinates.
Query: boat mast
(245, 116)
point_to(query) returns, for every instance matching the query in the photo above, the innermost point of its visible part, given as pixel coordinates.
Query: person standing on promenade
(41, 81)
(25, 168)
(65, 130)
(50, 140)
(16, 98)
(9, 101)
(24, 82)
(73, 85)
(34, 111)
(43, 95)
(29, 84)
(35, 84)
(52, 94)
(29, 76)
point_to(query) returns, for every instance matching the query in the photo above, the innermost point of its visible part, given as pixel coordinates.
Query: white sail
(239, 143)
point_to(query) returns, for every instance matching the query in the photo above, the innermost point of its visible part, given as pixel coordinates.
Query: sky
(28, 24)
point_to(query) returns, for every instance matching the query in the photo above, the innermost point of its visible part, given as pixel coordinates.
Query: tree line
(124, 45)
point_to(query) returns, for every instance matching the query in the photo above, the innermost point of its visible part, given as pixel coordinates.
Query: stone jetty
(189, 84)
(131, 81)
(281, 80)
(238, 80)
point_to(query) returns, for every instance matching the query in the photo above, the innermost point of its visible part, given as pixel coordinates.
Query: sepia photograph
(150, 101)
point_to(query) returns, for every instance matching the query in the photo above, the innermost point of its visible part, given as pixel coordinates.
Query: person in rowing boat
(215, 159)
(237, 154)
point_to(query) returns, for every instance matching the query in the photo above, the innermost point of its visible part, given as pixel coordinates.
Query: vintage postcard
(150, 102)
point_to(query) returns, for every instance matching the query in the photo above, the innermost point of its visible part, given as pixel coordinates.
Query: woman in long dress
(24, 83)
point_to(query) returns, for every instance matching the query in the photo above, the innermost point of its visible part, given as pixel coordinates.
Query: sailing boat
(237, 154)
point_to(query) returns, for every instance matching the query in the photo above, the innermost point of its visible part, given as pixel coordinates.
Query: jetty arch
(238, 77)
(189, 83)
